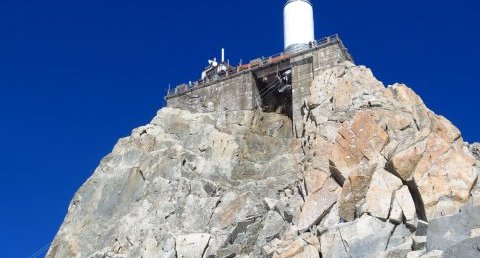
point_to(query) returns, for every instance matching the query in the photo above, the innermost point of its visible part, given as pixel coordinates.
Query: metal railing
(259, 63)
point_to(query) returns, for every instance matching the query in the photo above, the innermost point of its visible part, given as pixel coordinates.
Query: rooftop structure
(259, 66)
(278, 83)
(275, 84)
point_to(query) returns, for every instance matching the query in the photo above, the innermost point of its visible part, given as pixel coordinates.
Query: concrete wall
(304, 70)
(240, 92)
(236, 93)
(302, 77)
(328, 57)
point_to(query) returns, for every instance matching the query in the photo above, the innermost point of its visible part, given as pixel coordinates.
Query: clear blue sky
(77, 75)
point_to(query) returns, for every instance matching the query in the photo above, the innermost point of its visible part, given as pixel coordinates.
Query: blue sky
(77, 75)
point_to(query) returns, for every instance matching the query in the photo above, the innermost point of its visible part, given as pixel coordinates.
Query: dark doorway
(275, 93)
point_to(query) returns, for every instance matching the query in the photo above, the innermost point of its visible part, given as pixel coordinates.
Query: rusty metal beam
(272, 69)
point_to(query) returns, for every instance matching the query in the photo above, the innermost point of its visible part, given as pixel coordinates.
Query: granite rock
(468, 248)
(354, 176)
(448, 231)
(364, 237)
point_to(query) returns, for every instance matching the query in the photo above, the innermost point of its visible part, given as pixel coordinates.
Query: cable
(40, 251)
(270, 87)
(271, 90)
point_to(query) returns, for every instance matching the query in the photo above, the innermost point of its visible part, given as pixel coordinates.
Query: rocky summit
(369, 172)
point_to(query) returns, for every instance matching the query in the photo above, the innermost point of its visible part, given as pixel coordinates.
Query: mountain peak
(357, 170)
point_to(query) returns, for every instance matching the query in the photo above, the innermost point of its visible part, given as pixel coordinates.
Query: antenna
(223, 55)
(165, 98)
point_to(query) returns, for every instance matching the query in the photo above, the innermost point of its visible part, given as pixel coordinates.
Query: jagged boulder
(466, 248)
(399, 244)
(360, 140)
(475, 193)
(364, 237)
(318, 204)
(429, 164)
(448, 231)
(297, 248)
(380, 192)
(191, 246)
(273, 228)
(475, 149)
(406, 203)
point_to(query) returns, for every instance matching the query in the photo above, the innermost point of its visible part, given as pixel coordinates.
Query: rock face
(447, 232)
(365, 173)
(475, 149)
(193, 245)
(364, 237)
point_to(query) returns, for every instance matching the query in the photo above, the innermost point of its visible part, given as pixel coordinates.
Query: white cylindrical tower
(298, 24)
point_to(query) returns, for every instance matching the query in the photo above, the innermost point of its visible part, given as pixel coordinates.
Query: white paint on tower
(298, 23)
